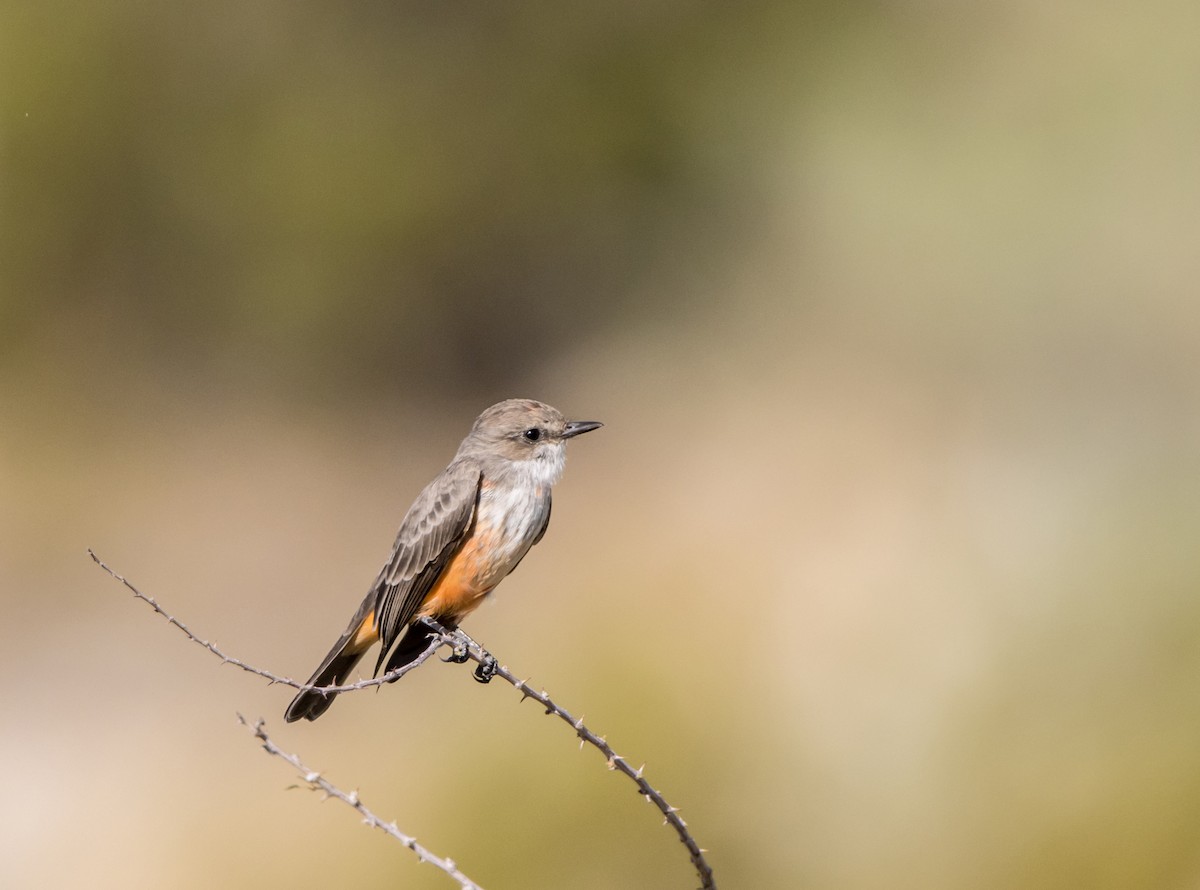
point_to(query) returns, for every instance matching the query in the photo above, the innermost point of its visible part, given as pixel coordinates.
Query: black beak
(579, 427)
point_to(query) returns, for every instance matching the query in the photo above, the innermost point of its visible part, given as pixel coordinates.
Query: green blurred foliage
(442, 191)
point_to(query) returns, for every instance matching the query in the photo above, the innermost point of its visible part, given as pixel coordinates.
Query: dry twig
(316, 781)
(461, 643)
(445, 640)
(615, 761)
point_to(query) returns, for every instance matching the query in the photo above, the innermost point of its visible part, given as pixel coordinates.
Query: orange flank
(465, 581)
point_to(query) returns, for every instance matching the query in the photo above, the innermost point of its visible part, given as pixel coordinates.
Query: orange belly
(470, 575)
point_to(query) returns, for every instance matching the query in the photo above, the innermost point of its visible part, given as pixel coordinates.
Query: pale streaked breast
(507, 520)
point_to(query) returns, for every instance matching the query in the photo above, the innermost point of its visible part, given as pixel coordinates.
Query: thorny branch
(445, 640)
(461, 642)
(316, 781)
(615, 761)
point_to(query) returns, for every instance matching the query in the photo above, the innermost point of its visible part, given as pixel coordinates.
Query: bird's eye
(532, 434)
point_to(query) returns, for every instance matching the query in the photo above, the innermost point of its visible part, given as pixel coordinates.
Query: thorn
(311, 778)
(637, 773)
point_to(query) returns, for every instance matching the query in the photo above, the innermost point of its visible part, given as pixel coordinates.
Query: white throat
(546, 466)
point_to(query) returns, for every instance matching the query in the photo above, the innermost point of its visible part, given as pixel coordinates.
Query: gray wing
(432, 530)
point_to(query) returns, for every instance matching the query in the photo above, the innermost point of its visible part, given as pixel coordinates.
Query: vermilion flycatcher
(465, 532)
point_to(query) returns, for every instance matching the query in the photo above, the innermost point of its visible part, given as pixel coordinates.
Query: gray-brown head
(523, 430)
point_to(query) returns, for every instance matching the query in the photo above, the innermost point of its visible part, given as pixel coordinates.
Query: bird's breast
(507, 520)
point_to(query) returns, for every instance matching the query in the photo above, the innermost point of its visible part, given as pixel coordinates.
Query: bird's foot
(486, 669)
(459, 654)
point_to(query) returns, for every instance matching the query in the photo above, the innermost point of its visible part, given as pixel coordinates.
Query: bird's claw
(458, 654)
(486, 669)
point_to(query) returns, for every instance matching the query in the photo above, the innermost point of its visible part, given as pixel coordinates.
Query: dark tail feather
(412, 644)
(333, 671)
(340, 661)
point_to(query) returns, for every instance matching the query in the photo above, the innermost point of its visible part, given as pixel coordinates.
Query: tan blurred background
(886, 561)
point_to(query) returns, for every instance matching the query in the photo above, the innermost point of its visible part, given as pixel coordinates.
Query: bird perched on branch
(469, 528)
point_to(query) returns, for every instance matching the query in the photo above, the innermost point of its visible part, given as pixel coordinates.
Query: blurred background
(885, 562)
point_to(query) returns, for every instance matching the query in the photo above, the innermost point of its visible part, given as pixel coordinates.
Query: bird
(465, 532)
